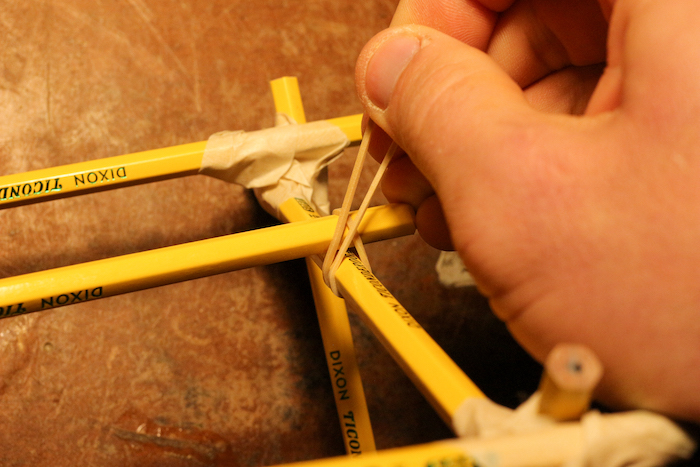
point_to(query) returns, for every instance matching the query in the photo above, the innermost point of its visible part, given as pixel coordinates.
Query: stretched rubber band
(336, 250)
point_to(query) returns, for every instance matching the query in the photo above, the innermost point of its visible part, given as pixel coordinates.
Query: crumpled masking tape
(451, 270)
(636, 438)
(279, 163)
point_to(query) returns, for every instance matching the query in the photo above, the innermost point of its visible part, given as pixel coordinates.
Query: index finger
(529, 39)
(469, 21)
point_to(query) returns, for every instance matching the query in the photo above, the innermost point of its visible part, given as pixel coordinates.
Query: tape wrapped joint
(631, 439)
(278, 163)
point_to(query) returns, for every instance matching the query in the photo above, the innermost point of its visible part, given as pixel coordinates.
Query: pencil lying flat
(102, 174)
(442, 382)
(344, 370)
(332, 314)
(438, 378)
(98, 279)
(119, 171)
(549, 447)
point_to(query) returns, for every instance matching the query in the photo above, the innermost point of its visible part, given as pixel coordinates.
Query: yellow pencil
(549, 447)
(98, 279)
(348, 391)
(440, 380)
(119, 171)
(336, 333)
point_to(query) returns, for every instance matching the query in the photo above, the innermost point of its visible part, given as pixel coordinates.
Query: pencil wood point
(571, 373)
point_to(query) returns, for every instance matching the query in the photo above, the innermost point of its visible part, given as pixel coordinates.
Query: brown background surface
(229, 370)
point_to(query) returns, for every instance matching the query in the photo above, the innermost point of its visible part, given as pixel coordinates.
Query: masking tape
(279, 163)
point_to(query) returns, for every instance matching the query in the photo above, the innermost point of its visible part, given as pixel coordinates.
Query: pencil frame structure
(138, 271)
(339, 349)
(100, 175)
(440, 380)
(119, 171)
(430, 369)
(332, 314)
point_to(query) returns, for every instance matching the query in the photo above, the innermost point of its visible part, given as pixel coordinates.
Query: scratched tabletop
(225, 370)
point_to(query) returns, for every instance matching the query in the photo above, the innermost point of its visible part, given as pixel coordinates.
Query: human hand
(568, 169)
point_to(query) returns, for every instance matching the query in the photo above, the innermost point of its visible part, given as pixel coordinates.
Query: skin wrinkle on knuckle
(527, 55)
(533, 41)
(579, 27)
(548, 50)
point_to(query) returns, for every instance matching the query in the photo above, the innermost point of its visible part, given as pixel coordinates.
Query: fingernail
(386, 65)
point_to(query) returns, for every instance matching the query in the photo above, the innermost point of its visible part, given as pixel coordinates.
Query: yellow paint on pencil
(440, 380)
(437, 454)
(112, 276)
(287, 97)
(103, 174)
(550, 446)
(350, 125)
(336, 333)
(119, 171)
(344, 371)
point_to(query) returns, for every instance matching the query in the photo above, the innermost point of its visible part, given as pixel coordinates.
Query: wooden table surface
(228, 370)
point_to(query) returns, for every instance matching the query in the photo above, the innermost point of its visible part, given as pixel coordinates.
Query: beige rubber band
(336, 250)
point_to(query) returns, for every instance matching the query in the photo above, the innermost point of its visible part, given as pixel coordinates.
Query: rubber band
(336, 250)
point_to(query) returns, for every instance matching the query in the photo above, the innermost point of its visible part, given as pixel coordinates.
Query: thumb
(429, 91)
(448, 105)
